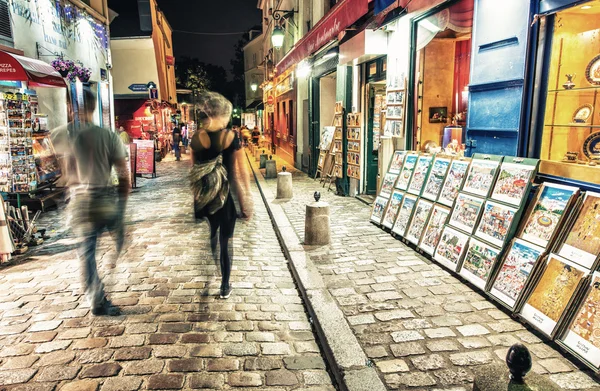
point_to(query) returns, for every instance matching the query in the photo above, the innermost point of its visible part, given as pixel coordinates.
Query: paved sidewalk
(174, 334)
(424, 328)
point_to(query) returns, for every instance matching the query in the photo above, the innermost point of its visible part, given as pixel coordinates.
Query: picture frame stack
(395, 110)
(336, 152)
(387, 203)
(353, 133)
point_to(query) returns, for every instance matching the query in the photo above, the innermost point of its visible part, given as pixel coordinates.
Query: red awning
(338, 19)
(37, 73)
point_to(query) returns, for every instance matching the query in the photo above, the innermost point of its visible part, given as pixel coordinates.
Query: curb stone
(343, 353)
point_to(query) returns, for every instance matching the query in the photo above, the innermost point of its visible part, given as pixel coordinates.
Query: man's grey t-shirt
(94, 150)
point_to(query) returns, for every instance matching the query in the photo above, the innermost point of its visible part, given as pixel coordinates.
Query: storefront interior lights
(426, 24)
(303, 70)
(254, 87)
(586, 7)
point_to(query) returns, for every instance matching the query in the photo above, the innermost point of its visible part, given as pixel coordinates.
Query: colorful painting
(378, 208)
(466, 212)
(454, 179)
(421, 170)
(481, 177)
(512, 183)
(515, 270)
(546, 213)
(435, 180)
(434, 227)
(417, 223)
(451, 247)
(392, 210)
(582, 245)
(397, 160)
(479, 261)
(552, 294)
(388, 185)
(584, 333)
(409, 165)
(404, 215)
(496, 223)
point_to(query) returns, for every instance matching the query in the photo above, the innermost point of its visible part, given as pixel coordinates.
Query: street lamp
(254, 86)
(277, 37)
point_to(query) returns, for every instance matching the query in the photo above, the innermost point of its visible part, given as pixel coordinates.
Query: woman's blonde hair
(215, 105)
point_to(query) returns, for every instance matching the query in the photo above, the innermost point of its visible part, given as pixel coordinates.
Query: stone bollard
(271, 166)
(496, 377)
(257, 153)
(263, 160)
(317, 225)
(284, 184)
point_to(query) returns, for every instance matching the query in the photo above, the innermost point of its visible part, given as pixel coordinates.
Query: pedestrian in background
(124, 136)
(95, 206)
(177, 142)
(219, 175)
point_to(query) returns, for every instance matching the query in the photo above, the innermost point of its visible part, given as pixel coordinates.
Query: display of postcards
(398, 128)
(354, 133)
(451, 247)
(354, 171)
(388, 184)
(435, 180)
(404, 215)
(496, 222)
(393, 207)
(433, 230)
(454, 179)
(339, 107)
(420, 173)
(407, 169)
(338, 121)
(397, 160)
(466, 212)
(479, 262)
(583, 334)
(354, 146)
(391, 97)
(418, 221)
(547, 213)
(388, 129)
(514, 271)
(481, 177)
(582, 244)
(513, 180)
(321, 159)
(399, 99)
(354, 119)
(378, 208)
(552, 293)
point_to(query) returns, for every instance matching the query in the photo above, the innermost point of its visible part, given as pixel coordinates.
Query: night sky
(202, 16)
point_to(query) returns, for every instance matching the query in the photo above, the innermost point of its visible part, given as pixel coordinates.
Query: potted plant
(63, 66)
(84, 74)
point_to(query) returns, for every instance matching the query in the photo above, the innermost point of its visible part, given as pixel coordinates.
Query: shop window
(442, 68)
(572, 113)
(6, 36)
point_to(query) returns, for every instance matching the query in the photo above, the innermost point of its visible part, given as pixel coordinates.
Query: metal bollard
(284, 184)
(317, 229)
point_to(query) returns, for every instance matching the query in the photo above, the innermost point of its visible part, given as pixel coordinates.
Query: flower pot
(64, 73)
(84, 79)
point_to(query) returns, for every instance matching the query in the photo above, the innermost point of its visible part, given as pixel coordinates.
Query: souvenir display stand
(395, 112)
(332, 159)
(353, 130)
(537, 257)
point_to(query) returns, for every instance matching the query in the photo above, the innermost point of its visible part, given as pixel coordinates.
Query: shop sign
(271, 100)
(103, 74)
(170, 60)
(138, 87)
(285, 85)
(145, 156)
(339, 18)
(153, 93)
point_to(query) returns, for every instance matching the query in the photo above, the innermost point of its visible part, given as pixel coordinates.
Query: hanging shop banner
(145, 156)
(337, 20)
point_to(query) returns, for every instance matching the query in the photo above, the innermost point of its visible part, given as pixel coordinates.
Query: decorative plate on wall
(592, 71)
(583, 113)
(591, 146)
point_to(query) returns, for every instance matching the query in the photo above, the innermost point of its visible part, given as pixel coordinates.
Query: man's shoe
(106, 309)
(225, 292)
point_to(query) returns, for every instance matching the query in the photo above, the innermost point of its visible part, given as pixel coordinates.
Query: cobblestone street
(174, 333)
(423, 328)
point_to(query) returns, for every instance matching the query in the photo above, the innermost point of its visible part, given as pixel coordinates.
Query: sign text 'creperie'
(342, 16)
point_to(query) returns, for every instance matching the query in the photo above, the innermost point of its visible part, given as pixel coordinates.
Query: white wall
(134, 62)
(327, 112)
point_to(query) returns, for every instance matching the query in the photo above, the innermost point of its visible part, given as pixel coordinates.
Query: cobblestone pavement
(423, 327)
(174, 334)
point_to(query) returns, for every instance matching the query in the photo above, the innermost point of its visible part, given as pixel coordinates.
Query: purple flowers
(70, 71)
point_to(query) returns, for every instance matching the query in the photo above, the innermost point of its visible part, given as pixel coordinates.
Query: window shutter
(5, 28)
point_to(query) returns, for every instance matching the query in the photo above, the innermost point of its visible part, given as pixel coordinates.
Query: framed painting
(451, 248)
(387, 185)
(496, 222)
(418, 221)
(407, 170)
(583, 335)
(434, 227)
(392, 210)
(420, 174)
(547, 213)
(479, 262)
(397, 160)
(453, 182)
(378, 208)
(515, 272)
(466, 212)
(553, 293)
(480, 177)
(512, 183)
(582, 244)
(404, 214)
(435, 179)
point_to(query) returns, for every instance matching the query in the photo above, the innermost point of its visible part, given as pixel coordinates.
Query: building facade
(143, 57)
(254, 76)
